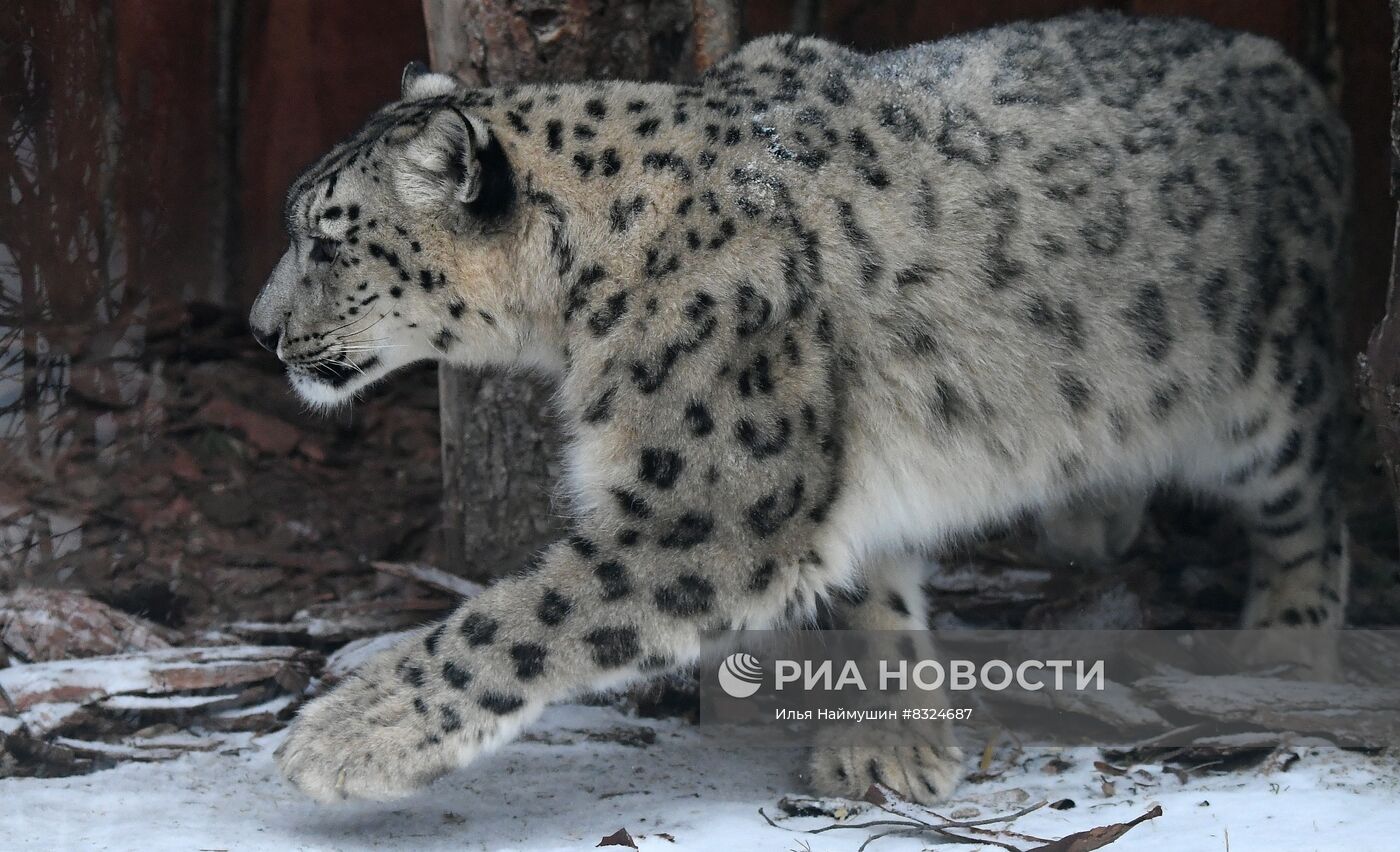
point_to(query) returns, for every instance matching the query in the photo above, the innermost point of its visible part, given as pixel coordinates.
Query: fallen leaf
(1096, 838)
(618, 838)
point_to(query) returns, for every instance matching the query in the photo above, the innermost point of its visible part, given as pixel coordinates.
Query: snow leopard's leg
(891, 598)
(1279, 485)
(1093, 530)
(586, 619)
(1299, 565)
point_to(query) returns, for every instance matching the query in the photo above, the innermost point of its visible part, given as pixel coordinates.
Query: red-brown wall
(167, 131)
(219, 103)
(313, 70)
(1364, 32)
(167, 76)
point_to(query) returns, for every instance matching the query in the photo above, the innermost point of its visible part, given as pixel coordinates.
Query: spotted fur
(819, 308)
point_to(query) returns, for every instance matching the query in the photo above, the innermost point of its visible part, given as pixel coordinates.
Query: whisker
(370, 344)
(376, 348)
(341, 362)
(365, 329)
(346, 325)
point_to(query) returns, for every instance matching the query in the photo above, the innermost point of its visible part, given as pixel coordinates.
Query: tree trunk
(499, 447)
(1381, 368)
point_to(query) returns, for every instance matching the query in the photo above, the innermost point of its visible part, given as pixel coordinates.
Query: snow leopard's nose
(268, 339)
(273, 307)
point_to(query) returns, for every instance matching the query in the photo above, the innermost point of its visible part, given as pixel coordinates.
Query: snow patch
(566, 792)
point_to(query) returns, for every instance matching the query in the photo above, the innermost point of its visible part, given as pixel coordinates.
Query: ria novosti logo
(740, 675)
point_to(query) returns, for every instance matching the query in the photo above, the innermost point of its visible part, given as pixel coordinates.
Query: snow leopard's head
(403, 248)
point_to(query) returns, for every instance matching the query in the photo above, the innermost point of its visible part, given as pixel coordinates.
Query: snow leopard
(819, 310)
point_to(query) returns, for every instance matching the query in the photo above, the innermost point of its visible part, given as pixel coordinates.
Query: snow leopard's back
(1081, 256)
(1108, 237)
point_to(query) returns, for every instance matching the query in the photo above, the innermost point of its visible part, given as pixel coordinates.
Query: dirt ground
(210, 494)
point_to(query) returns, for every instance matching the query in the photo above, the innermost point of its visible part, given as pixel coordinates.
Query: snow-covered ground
(576, 779)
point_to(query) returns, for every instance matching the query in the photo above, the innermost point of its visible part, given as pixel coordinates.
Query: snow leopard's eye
(323, 250)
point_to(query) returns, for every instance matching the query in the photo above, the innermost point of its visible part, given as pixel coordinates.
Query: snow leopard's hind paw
(924, 774)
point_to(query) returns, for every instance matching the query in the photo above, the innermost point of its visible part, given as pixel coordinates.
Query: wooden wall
(196, 115)
(311, 71)
(218, 104)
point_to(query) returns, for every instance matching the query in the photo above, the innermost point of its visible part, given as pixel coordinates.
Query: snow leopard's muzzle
(329, 354)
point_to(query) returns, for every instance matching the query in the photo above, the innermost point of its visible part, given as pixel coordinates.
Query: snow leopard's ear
(418, 82)
(455, 168)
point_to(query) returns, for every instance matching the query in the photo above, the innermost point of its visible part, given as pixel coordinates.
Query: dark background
(148, 451)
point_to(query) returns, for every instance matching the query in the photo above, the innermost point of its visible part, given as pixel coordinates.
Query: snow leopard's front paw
(373, 737)
(924, 773)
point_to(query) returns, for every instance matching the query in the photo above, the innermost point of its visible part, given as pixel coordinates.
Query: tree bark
(1380, 373)
(499, 447)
